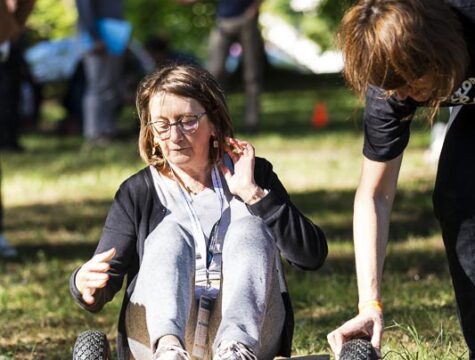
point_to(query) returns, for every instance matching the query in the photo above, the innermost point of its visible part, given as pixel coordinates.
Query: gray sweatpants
(249, 308)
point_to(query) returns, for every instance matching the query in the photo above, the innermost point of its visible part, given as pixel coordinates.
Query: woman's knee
(249, 233)
(169, 238)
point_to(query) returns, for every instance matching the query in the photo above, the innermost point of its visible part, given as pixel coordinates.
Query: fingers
(87, 296)
(96, 284)
(99, 262)
(94, 279)
(336, 339)
(376, 338)
(105, 256)
(232, 154)
(97, 266)
(89, 282)
(93, 275)
(353, 328)
(238, 147)
(87, 279)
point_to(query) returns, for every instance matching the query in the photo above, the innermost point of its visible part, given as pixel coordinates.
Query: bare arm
(372, 211)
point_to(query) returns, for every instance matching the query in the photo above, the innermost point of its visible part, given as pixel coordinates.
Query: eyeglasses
(187, 124)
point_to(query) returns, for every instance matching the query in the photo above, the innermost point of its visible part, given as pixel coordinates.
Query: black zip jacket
(137, 210)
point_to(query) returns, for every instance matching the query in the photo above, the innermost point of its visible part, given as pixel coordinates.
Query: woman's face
(419, 90)
(186, 142)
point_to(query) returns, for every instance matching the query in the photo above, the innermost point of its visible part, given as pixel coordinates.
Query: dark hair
(188, 81)
(390, 43)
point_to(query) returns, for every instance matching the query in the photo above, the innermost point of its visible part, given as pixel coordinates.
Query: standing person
(13, 15)
(196, 224)
(237, 20)
(102, 99)
(404, 54)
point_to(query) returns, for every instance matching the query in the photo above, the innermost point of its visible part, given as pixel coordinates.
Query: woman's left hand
(241, 182)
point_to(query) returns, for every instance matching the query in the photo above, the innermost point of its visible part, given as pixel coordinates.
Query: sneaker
(234, 350)
(6, 250)
(171, 352)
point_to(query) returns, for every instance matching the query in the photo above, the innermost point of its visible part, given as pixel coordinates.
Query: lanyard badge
(202, 325)
(211, 261)
(208, 257)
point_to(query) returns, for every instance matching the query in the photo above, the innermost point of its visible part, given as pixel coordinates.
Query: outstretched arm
(372, 211)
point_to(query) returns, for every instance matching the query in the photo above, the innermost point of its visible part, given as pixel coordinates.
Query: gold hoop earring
(156, 151)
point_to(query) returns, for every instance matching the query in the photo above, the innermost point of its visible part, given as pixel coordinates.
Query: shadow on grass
(323, 323)
(78, 216)
(413, 263)
(333, 210)
(71, 229)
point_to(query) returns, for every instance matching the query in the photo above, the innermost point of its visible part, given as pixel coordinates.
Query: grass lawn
(57, 194)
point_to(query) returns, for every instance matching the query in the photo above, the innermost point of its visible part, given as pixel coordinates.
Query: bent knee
(247, 233)
(169, 236)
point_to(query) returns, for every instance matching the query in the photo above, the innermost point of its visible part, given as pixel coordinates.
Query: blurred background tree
(316, 19)
(53, 19)
(187, 27)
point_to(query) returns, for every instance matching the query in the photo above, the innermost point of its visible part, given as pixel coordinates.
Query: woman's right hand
(92, 275)
(368, 323)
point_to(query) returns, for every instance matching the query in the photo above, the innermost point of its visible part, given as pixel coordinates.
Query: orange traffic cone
(320, 115)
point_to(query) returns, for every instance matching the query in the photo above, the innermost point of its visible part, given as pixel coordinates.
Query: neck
(195, 179)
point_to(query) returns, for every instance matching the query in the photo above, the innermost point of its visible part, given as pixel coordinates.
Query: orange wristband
(375, 304)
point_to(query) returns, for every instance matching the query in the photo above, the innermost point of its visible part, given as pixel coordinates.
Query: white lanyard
(198, 235)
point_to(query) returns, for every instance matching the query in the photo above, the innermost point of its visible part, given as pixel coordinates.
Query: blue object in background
(114, 33)
(53, 60)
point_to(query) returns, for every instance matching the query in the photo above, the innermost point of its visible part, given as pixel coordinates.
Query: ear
(213, 129)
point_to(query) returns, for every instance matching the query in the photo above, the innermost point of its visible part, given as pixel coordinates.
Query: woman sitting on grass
(204, 222)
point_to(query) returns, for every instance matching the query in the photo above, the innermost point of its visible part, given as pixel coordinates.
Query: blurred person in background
(13, 16)
(103, 70)
(237, 21)
(158, 47)
(404, 54)
(6, 250)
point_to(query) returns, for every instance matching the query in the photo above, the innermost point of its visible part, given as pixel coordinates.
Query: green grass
(57, 194)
